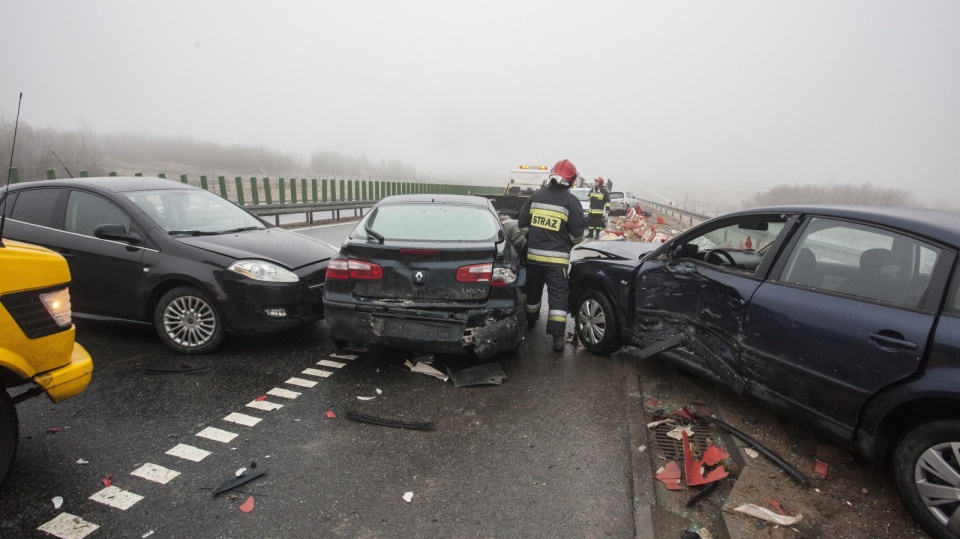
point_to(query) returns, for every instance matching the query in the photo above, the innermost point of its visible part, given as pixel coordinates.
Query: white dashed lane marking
(189, 452)
(67, 526)
(285, 393)
(116, 497)
(155, 473)
(328, 363)
(344, 356)
(301, 382)
(242, 419)
(266, 406)
(217, 435)
(316, 372)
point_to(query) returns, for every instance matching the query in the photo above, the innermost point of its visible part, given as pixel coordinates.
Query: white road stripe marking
(189, 452)
(264, 405)
(67, 526)
(217, 435)
(328, 363)
(155, 473)
(285, 393)
(301, 382)
(344, 356)
(316, 372)
(242, 419)
(116, 497)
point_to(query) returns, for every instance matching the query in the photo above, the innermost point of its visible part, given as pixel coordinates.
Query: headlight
(58, 305)
(261, 270)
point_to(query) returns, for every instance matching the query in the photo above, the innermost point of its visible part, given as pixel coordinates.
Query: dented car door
(697, 292)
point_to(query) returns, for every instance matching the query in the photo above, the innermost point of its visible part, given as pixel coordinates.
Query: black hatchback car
(847, 318)
(429, 273)
(151, 251)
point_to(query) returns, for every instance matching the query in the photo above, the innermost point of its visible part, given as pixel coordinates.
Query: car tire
(9, 434)
(928, 443)
(188, 321)
(596, 323)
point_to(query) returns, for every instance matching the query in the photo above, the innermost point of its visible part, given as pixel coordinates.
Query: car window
(863, 261)
(581, 193)
(430, 222)
(630, 195)
(741, 245)
(192, 210)
(36, 206)
(86, 211)
(616, 194)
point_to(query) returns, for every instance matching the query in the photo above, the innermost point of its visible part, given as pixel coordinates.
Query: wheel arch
(891, 427)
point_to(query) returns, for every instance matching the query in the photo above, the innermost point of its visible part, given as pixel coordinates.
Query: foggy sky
(708, 100)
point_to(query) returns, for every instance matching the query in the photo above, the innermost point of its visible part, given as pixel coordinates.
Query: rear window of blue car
(430, 222)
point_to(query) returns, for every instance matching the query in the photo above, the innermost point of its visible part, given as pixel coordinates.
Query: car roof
(942, 226)
(468, 200)
(116, 184)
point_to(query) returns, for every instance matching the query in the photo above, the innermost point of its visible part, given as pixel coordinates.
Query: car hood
(625, 250)
(289, 249)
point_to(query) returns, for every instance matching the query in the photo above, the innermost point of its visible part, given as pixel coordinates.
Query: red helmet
(599, 181)
(565, 171)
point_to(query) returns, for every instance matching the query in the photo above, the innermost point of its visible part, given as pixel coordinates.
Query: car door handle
(884, 341)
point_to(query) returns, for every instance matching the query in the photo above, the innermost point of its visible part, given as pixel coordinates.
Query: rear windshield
(581, 194)
(430, 222)
(616, 194)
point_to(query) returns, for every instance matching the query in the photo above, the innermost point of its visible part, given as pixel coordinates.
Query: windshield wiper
(192, 232)
(241, 229)
(378, 236)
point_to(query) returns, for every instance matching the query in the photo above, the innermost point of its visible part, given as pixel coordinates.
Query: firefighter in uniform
(599, 206)
(553, 221)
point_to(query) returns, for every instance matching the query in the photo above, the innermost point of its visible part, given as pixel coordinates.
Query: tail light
(486, 273)
(353, 269)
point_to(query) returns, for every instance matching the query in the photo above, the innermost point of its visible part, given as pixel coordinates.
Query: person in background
(599, 206)
(609, 184)
(553, 221)
(516, 238)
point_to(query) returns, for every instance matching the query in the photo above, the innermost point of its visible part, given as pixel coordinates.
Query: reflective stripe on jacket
(553, 221)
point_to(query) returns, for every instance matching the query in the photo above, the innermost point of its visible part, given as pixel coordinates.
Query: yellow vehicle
(36, 336)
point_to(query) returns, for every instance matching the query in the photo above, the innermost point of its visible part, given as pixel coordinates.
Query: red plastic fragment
(682, 412)
(713, 455)
(330, 414)
(820, 467)
(108, 480)
(776, 505)
(261, 398)
(692, 466)
(53, 430)
(670, 476)
(652, 402)
(247, 506)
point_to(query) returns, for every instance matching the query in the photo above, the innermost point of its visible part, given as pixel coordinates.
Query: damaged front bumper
(483, 332)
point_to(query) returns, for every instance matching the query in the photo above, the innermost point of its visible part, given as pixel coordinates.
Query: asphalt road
(545, 454)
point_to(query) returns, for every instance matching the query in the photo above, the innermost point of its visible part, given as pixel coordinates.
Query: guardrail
(309, 209)
(691, 218)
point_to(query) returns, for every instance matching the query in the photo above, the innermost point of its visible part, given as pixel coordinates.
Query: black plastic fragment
(486, 374)
(236, 481)
(363, 418)
(184, 370)
(794, 473)
(708, 490)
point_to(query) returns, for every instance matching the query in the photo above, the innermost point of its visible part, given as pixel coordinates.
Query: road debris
(364, 418)
(365, 398)
(670, 475)
(486, 374)
(756, 445)
(54, 430)
(408, 497)
(699, 472)
(765, 514)
(57, 502)
(247, 506)
(108, 480)
(706, 491)
(424, 368)
(184, 369)
(331, 415)
(236, 481)
(81, 461)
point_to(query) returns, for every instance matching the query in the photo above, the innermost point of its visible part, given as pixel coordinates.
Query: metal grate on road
(672, 449)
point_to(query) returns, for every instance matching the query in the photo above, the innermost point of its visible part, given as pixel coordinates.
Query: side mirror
(683, 250)
(117, 233)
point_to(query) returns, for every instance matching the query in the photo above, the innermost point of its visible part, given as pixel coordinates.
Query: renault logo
(418, 277)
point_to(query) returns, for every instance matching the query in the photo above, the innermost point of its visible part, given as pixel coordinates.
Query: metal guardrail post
(254, 192)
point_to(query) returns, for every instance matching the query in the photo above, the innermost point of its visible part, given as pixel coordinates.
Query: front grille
(29, 313)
